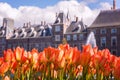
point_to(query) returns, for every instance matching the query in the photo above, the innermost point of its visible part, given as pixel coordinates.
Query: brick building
(43, 35)
(107, 30)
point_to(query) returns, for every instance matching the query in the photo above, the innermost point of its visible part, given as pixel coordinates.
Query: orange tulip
(107, 70)
(34, 56)
(85, 59)
(18, 53)
(4, 67)
(117, 70)
(8, 55)
(76, 57)
(14, 65)
(1, 60)
(42, 58)
(62, 63)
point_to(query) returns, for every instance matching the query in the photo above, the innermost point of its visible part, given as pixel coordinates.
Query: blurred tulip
(18, 53)
(4, 67)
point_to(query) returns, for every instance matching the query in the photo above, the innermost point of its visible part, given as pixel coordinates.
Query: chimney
(44, 22)
(29, 24)
(114, 4)
(41, 23)
(26, 24)
(76, 19)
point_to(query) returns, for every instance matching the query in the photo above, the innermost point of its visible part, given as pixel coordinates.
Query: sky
(35, 11)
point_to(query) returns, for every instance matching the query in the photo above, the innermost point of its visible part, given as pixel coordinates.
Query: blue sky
(45, 3)
(35, 11)
(39, 3)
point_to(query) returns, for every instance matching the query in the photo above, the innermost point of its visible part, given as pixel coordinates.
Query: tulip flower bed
(62, 63)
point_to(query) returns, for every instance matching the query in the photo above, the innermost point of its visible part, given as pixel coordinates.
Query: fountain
(91, 40)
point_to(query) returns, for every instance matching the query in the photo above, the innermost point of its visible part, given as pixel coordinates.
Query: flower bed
(62, 63)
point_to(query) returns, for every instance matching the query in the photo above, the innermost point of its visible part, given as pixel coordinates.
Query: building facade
(106, 28)
(42, 35)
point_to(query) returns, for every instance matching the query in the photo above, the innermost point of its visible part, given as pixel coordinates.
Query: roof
(107, 18)
(76, 27)
(44, 30)
(32, 31)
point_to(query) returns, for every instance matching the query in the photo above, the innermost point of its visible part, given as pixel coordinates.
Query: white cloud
(105, 6)
(91, 1)
(34, 14)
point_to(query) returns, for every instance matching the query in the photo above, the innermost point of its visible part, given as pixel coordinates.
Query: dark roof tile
(107, 18)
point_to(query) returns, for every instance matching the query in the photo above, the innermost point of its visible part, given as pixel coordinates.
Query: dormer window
(29, 31)
(22, 35)
(57, 28)
(13, 36)
(32, 35)
(20, 32)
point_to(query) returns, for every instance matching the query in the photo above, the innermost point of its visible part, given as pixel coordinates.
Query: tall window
(57, 28)
(74, 37)
(113, 30)
(68, 37)
(81, 37)
(103, 31)
(113, 41)
(103, 41)
(57, 37)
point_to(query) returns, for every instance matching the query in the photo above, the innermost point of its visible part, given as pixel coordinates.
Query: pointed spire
(114, 4)
(68, 17)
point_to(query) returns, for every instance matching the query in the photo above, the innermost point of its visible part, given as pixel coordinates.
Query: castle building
(42, 35)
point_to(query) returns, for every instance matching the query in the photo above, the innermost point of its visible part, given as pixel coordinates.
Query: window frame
(103, 41)
(57, 28)
(57, 37)
(113, 30)
(81, 35)
(103, 31)
(112, 38)
(75, 37)
(68, 37)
